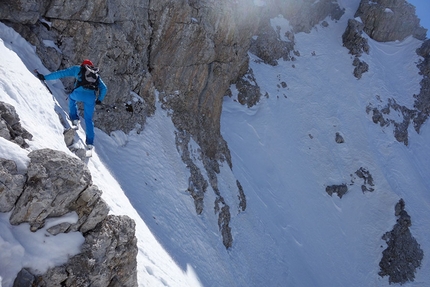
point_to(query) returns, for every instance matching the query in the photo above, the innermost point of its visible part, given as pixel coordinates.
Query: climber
(88, 84)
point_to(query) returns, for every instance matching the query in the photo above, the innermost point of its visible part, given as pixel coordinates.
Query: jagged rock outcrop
(353, 38)
(390, 20)
(403, 254)
(10, 126)
(422, 100)
(354, 41)
(11, 184)
(339, 189)
(108, 258)
(58, 184)
(342, 189)
(360, 67)
(367, 178)
(249, 93)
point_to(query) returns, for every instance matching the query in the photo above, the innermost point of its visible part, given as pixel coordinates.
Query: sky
(423, 12)
(284, 154)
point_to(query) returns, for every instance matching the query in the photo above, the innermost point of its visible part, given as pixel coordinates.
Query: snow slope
(284, 154)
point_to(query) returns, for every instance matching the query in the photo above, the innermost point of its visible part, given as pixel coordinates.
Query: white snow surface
(284, 154)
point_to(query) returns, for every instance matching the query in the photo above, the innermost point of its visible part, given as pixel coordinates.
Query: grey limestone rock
(422, 100)
(11, 184)
(390, 20)
(340, 190)
(353, 38)
(24, 279)
(339, 138)
(403, 255)
(360, 67)
(58, 184)
(10, 126)
(249, 91)
(367, 179)
(108, 258)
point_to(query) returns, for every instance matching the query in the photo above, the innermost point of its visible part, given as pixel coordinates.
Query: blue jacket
(74, 72)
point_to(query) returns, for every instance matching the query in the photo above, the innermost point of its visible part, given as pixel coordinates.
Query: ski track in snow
(284, 155)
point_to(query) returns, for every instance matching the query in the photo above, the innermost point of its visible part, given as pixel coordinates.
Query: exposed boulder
(10, 126)
(340, 189)
(108, 258)
(367, 179)
(58, 184)
(390, 20)
(353, 38)
(360, 67)
(11, 184)
(339, 138)
(248, 90)
(354, 41)
(403, 254)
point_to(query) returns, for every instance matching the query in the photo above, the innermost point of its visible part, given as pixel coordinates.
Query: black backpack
(88, 78)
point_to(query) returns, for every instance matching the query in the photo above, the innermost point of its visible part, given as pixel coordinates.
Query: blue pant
(88, 98)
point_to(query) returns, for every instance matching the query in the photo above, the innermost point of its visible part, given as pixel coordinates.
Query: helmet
(87, 62)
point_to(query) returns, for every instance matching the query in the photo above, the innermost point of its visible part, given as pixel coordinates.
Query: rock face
(390, 20)
(108, 258)
(10, 126)
(353, 38)
(57, 184)
(12, 184)
(115, 36)
(403, 254)
(354, 41)
(422, 100)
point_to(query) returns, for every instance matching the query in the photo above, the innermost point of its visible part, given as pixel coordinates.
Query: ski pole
(42, 79)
